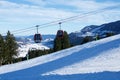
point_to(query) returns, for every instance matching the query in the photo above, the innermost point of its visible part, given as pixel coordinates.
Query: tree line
(8, 48)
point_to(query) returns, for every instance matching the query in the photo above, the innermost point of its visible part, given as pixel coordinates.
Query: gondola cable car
(37, 36)
(60, 32)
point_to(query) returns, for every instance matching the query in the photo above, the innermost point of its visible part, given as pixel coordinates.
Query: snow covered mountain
(93, 30)
(102, 29)
(24, 48)
(97, 60)
(26, 43)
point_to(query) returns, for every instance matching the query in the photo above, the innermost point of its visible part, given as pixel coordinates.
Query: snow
(97, 29)
(92, 65)
(97, 60)
(24, 48)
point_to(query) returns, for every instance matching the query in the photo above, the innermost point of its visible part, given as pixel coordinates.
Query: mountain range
(93, 30)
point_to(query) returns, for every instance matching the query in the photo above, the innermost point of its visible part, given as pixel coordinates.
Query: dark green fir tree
(65, 41)
(61, 42)
(11, 47)
(57, 44)
(2, 50)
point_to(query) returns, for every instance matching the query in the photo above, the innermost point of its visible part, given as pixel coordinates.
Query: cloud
(90, 4)
(37, 2)
(13, 10)
(43, 11)
(6, 4)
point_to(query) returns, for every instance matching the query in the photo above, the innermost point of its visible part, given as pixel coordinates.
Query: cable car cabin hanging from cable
(37, 36)
(60, 32)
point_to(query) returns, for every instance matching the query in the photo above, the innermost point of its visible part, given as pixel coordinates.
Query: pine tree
(57, 44)
(65, 41)
(86, 39)
(11, 47)
(2, 46)
(109, 34)
(97, 37)
(61, 42)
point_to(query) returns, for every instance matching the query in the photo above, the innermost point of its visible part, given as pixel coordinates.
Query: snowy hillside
(97, 60)
(93, 30)
(25, 47)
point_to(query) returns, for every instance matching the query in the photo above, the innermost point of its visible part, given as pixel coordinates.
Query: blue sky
(22, 14)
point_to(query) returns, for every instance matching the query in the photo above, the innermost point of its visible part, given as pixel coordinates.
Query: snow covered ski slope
(97, 60)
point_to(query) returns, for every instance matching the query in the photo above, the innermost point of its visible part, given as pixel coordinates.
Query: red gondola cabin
(37, 38)
(60, 33)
